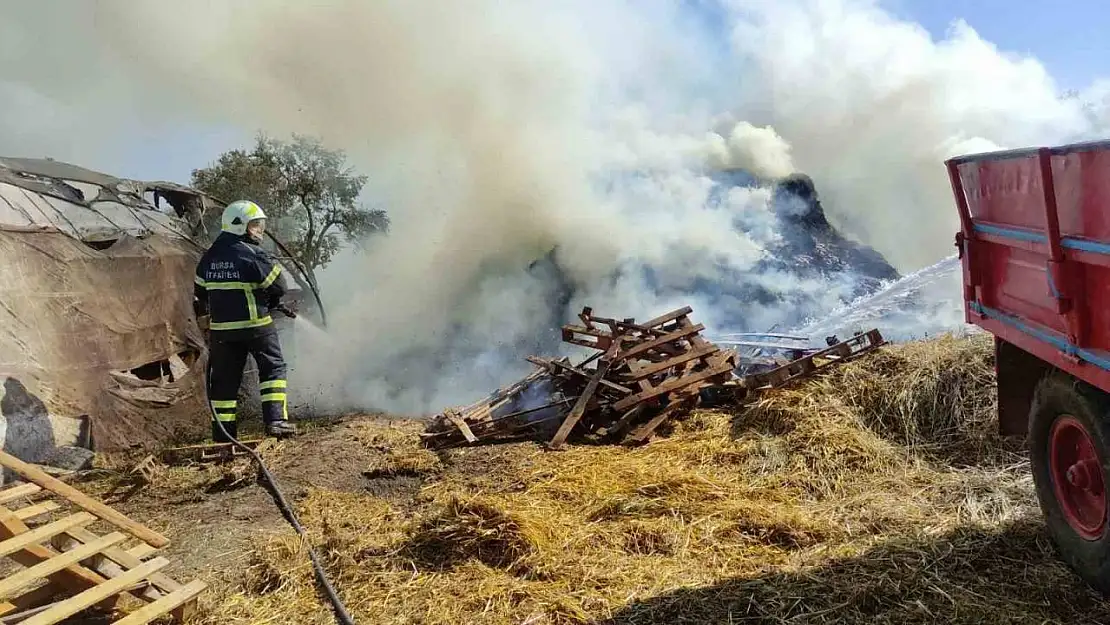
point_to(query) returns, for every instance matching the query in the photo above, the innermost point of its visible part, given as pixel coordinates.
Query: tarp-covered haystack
(98, 344)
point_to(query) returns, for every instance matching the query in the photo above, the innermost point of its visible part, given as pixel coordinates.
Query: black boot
(218, 436)
(280, 429)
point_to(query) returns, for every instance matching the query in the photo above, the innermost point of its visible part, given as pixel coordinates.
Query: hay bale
(934, 397)
(927, 394)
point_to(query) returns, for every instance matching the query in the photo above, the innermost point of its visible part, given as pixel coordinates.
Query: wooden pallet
(663, 360)
(67, 568)
(209, 452)
(806, 366)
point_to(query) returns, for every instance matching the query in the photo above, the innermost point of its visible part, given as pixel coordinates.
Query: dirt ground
(211, 513)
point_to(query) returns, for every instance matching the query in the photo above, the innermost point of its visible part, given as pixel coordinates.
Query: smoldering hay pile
(544, 156)
(876, 493)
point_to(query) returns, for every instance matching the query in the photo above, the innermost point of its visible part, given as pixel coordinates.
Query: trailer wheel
(1068, 438)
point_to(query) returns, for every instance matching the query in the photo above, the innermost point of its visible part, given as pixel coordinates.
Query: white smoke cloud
(760, 151)
(871, 106)
(486, 128)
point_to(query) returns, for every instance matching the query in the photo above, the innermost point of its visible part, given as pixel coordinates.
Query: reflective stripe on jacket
(239, 282)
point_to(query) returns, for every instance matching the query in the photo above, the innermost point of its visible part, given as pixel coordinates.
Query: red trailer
(1034, 245)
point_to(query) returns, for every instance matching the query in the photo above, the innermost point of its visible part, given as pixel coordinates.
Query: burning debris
(641, 375)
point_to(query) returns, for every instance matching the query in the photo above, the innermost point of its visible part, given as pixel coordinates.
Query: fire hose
(342, 616)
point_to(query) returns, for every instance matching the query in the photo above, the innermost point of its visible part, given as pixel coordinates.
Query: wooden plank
(74, 578)
(667, 318)
(18, 617)
(674, 385)
(46, 532)
(643, 331)
(650, 328)
(583, 399)
(126, 559)
(622, 424)
(28, 576)
(503, 393)
(199, 453)
(594, 332)
(35, 600)
(96, 594)
(652, 369)
(558, 364)
(601, 343)
(681, 333)
(633, 412)
(808, 365)
(476, 415)
(463, 427)
(635, 367)
(141, 551)
(644, 432)
(172, 601)
(696, 341)
(592, 358)
(9, 495)
(35, 510)
(587, 317)
(107, 513)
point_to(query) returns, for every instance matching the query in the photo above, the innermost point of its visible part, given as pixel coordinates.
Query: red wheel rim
(1077, 477)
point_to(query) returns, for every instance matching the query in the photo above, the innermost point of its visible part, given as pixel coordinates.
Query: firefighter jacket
(237, 284)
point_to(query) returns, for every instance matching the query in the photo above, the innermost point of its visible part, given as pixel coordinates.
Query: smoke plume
(535, 156)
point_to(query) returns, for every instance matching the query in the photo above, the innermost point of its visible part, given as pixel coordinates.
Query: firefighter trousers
(227, 359)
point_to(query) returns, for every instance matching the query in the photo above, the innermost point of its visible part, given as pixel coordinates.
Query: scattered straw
(875, 494)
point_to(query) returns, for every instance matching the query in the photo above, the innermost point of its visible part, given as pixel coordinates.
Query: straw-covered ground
(877, 493)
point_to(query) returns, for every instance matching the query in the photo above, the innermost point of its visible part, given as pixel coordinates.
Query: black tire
(1058, 395)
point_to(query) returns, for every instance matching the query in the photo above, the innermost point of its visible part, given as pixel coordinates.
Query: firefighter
(238, 285)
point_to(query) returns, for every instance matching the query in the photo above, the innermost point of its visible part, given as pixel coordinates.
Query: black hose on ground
(342, 616)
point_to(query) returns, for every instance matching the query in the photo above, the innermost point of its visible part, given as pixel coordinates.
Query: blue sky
(1073, 44)
(1070, 37)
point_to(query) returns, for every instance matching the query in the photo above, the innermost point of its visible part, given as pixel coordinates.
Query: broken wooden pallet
(68, 568)
(209, 452)
(475, 422)
(840, 352)
(663, 361)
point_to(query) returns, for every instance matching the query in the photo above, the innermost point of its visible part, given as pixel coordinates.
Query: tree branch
(311, 232)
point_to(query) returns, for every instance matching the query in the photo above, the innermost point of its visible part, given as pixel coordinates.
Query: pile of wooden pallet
(639, 375)
(62, 567)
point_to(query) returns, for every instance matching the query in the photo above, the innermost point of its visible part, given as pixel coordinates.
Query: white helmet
(238, 214)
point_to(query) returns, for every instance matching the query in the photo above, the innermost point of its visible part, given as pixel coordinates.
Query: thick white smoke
(760, 151)
(495, 133)
(871, 106)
